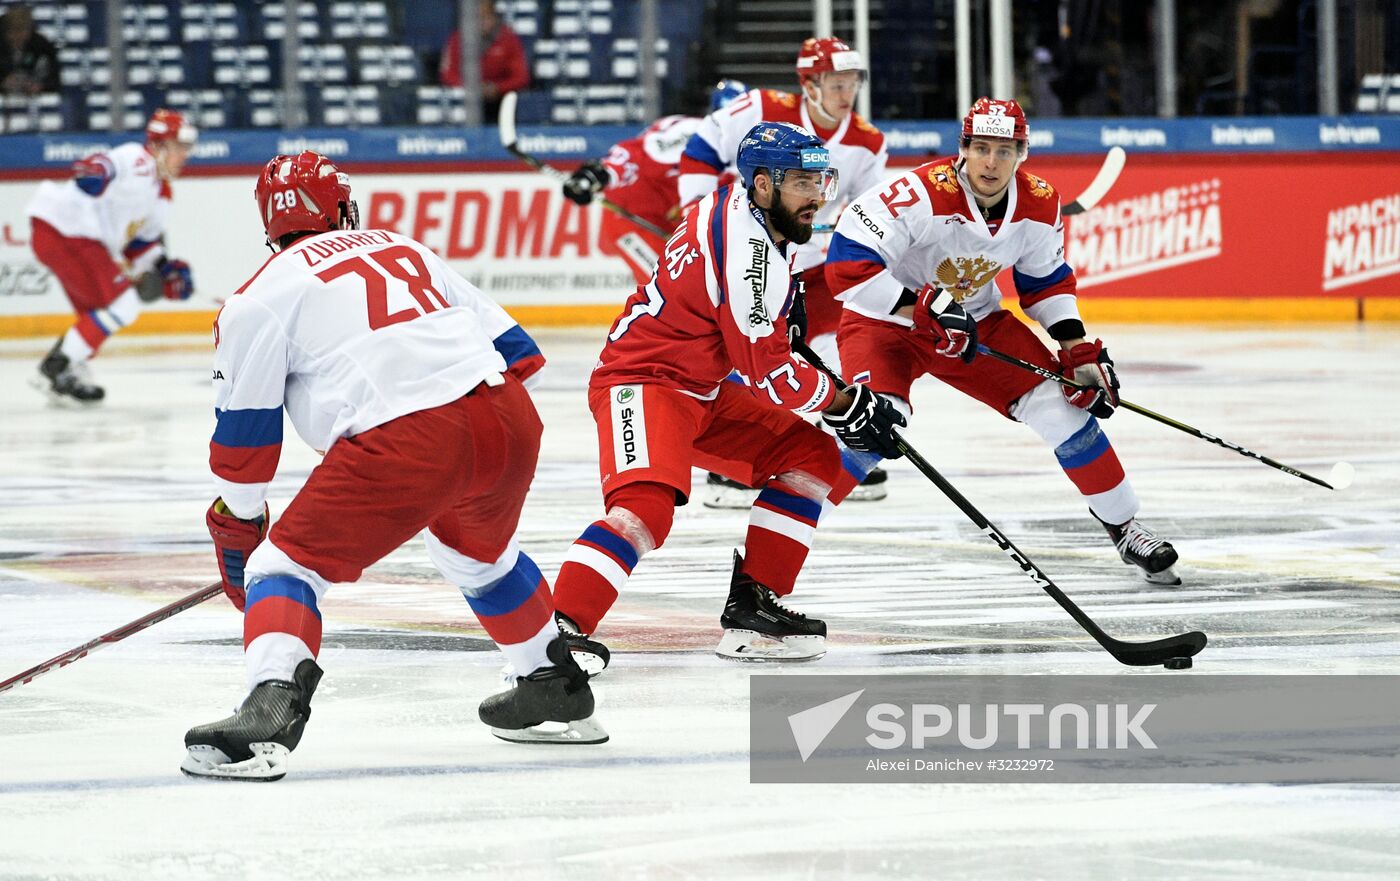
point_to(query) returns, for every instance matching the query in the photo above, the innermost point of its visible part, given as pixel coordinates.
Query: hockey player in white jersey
(100, 231)
(831, 75)
(411, 382)
(915, 260)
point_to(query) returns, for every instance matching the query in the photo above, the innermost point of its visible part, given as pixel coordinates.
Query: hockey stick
(1132, 654)
(1165, 420)
(506, 123)
(1100, 185)
(1097, 189)
(117, 635)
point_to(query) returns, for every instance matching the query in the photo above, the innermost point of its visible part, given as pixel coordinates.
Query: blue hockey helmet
(780, 147)
(724, 92)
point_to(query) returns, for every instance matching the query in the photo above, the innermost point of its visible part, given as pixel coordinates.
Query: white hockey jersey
(924, 227)
(129, 217)
(857, 153)
(346, 330)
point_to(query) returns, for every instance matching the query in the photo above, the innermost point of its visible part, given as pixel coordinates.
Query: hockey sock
(781, 527)
(281, 627)
(516, 611)
(1090, 462)
(600, 561)
(84, 339)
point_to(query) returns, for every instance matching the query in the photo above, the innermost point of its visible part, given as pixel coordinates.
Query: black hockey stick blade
(1100, 185)
(1051, 375)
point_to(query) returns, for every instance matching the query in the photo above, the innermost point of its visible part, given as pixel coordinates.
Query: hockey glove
(868, 424)
(234, 540)
(177, 278)
(93, 174)
(954, 331)
(797, 313)
(585, 183)
(1088, 364)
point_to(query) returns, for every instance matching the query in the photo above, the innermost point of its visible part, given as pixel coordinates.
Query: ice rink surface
(101, 521)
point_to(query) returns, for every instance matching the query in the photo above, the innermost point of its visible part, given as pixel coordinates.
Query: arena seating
(372, 63)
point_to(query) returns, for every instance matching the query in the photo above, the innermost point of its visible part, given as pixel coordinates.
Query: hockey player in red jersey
(100, 231)
(412, 382)
(831, 75)
(640, 175)
(717, 302)
(915, 261)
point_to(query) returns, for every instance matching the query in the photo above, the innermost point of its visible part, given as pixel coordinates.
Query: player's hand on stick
(1089, 364)
(585, 183)
(177, 279)
(867, 425)
(234, 541)
(954, 331)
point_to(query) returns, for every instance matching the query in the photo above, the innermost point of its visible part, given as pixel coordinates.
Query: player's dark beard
(786, 222)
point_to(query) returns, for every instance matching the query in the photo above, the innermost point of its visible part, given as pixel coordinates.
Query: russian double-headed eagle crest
(963, 276)
(944, 177)
(1040, 187)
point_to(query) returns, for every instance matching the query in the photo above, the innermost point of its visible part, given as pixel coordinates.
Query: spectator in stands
(503, 65)
(28, 61)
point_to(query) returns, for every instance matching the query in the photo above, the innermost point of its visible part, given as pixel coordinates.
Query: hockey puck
(1177, 664)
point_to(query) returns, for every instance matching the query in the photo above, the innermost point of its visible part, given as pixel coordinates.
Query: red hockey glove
(954, 331)
(234, 540)
(178, 280)
(1089, 364)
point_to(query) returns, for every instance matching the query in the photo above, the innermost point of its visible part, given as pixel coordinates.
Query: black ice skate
(758, 628)
(872, 488)
(555, 694)
(66, 380)
(589, 654)
(1140, 546)
(721, 492)
(254, 742)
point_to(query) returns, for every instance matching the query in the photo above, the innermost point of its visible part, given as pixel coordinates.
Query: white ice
(101, 521)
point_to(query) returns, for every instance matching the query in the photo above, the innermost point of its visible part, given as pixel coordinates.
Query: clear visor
(819, 184)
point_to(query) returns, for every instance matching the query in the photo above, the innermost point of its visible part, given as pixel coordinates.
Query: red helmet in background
(820, 55)
(304, 193)
(996, 119)
(166, 125)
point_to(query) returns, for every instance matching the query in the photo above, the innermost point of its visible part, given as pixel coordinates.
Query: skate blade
(62, 402)
(1166, 577)
(750, 645)
(729, 498)
(269, 763)
(873, 493)
(580, 731)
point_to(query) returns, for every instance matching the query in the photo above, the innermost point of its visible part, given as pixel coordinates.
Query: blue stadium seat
(626, 58)
(147, 23)
(1379, 93)
(211, 23)
(22, 113)
(99, 110)
(206, 108)
(272, 22)
(326, 63)
(563, 60)
(523, 16)
(263, 108)
(84, 67)
(66, 24)
(359, 21)
(349, 105)
(387, 65)
(155, 65)
(441, 105)
(242, 65)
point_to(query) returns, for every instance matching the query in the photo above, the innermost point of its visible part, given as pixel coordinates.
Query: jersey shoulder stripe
(940, 181)
(255, 275)
(781, 107)
(860, 133)
(1036, 199)
(718, 233)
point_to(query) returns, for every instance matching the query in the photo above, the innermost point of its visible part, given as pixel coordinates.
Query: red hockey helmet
(167, 125)
(304, 193)
(820, 55)
(996, 119)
